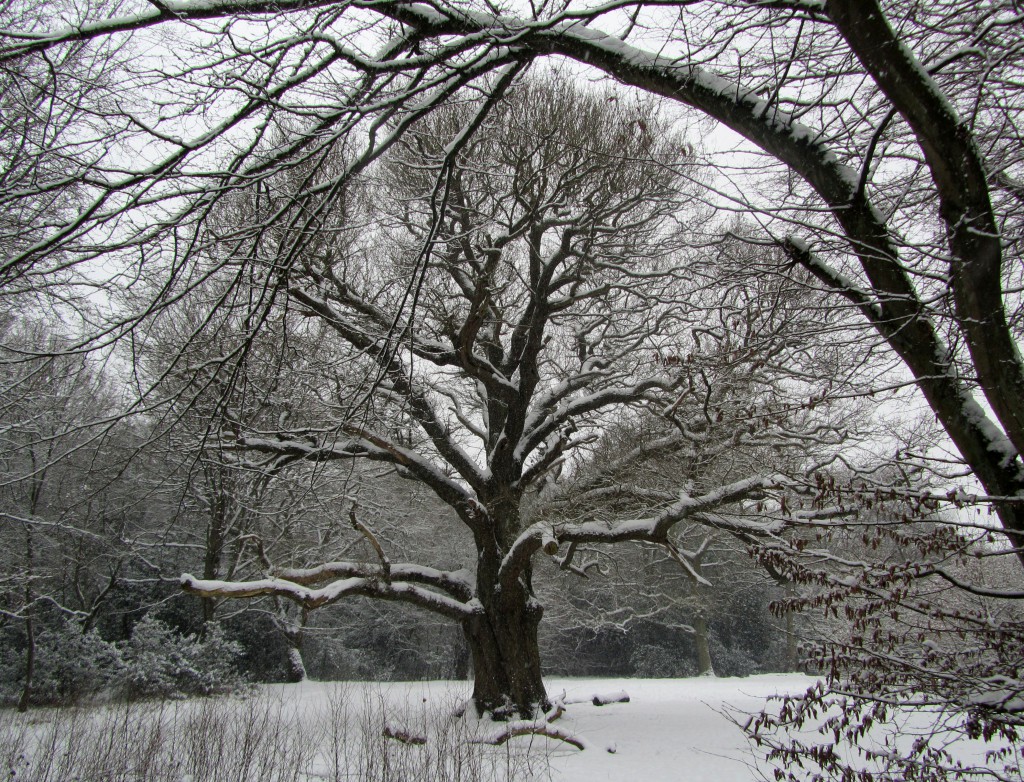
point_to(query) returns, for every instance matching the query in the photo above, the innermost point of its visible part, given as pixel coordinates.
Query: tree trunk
(700, 638)
(792, 653)
(30, 664)
(30, 628)
(460, 664)
(296, 665)
(791, 650)
(700, 621)
(213, 556)
(502, 640)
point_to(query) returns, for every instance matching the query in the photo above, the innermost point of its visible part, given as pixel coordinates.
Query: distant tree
(756, 391)
(904, 201)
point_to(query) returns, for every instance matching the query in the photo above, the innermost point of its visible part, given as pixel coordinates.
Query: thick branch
(457, 583)
(987, 450)
(964, 204)
(379, 449)
(385, 563)
(397, 373)
(315, 598)
(905, 325)
(654, 529)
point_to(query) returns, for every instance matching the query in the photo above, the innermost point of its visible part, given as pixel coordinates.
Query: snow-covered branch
(654, 529)
(544, 422)
(372, 446)
(457, 583)
(397, 590)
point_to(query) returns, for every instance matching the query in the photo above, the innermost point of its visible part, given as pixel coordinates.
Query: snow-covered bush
(73, 664)
(733, 660)
(161, 663)
(69, 665)
(155, 662)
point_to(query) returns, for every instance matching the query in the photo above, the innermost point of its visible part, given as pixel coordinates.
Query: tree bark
(30, 664)
(461, 668)
(791, 650)
(503, 642)
(30, 628)
(958, 172)
(215, 535)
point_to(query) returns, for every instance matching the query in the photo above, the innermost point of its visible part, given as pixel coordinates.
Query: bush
(733, 660)
(160, 663)
(657, 662)
(156, 662)
(69, 665)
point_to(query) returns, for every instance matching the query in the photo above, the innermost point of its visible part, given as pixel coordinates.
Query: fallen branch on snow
(597, 699)
(531, 727)
(404, 736)
(612, 697)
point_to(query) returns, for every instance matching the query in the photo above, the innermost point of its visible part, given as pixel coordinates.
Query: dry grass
(266, 736)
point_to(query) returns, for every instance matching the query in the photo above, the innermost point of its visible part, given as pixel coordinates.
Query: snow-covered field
(670, 729)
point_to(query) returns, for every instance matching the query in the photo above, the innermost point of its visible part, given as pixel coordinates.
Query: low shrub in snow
(657, 662)
(156, 662)
(160, 663)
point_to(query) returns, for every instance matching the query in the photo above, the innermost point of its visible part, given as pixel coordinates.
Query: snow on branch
(456, 583)
(654, 529)
(566, 563)
(684, 561)
(367, 444)
(540, 727)
(165, 11)
(385, 563)
(315, 598)
(544, 422)
(799, 251)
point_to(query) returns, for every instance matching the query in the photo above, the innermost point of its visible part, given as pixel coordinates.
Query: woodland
(384, 339)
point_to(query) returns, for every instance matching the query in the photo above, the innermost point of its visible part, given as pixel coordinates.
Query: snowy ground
(670, 729)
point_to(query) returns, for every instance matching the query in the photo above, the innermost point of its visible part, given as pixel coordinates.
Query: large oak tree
(495, 300)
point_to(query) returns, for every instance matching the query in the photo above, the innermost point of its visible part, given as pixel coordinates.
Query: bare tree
(539, 276)
(63, 508)
(757, 391)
